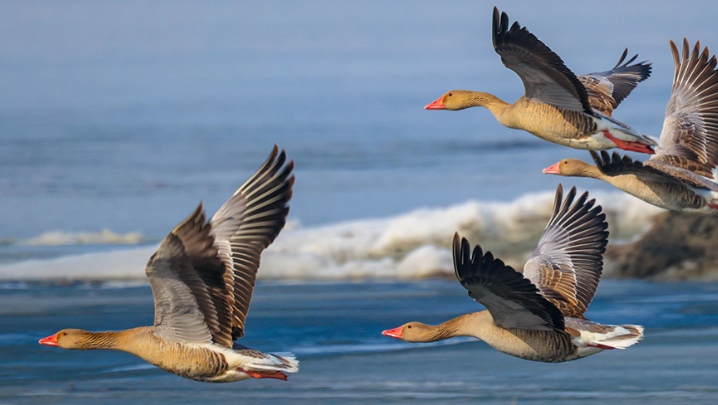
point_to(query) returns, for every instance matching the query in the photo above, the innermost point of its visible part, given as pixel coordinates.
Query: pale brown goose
(538, 315)
(681, 176)
(202, 278)
(558, 106)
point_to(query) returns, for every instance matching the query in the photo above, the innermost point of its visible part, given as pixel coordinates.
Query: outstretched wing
(616, 165)
(607, 89)
(689, 139)
(245, 225)
(566, 266)
(510, 298)
(203, 274)
(183, 273)
(546, 78)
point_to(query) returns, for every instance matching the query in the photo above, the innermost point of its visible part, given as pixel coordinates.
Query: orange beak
(395, 333)
(553, 169)
(49, 341)
(436, 105)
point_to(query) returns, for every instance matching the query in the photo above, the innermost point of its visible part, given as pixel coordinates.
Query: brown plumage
(607, 89)
(202, 278)
(681, 175)
(558, 106)
(537, 315)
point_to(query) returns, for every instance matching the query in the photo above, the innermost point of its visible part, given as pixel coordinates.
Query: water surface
(335, 331)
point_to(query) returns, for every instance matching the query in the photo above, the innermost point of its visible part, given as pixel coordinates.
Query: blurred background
(123, 115)
(117, 118)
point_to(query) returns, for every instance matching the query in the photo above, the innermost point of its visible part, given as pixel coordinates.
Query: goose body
(558, 106)
(202, 278)
(538, 315)
(681, 176)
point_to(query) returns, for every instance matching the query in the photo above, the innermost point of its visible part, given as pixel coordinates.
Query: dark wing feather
(651, 171)
(185, 274)
(203, 274)
(607, 89)
(510, 298)
(566, 266)
(689, 140)
(546, 78)
(616, 165)
(245, 225)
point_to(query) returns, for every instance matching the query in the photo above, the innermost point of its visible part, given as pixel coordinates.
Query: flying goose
(537, 315)
(558, 106)
(202, 278)
(681, 176)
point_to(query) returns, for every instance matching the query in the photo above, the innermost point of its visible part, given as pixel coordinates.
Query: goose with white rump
(558, 106)
(682, 175)
(202, 278)
(537, 315)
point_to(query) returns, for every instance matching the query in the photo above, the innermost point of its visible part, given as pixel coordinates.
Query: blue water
(335, 331)
(124, 115)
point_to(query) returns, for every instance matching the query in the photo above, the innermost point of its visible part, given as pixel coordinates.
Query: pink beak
(395, 333)
(436, 105)
(49, 341)
(553, 169)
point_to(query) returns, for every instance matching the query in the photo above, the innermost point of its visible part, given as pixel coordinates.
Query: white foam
(104, 237)
(406, 246)
(117, 265)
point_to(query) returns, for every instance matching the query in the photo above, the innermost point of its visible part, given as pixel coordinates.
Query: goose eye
(64, 333)
(450, 94)
(408, 326)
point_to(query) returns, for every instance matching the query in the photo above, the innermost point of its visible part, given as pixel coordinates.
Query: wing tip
(577, 215)
(467, 261)
(521, 37)
(196, 216)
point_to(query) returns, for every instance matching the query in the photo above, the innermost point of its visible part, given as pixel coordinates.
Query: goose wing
(616, 165)
(246, 224)
(184, 310)
(203, 273)
(546, 78)
(566, 266)
(512, 300)
(689, 139)
(607, 89)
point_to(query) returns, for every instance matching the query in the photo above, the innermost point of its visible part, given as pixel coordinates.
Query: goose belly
(535, 345)
(668, 195)
(568, 128)
(200, 364)
(194, 362)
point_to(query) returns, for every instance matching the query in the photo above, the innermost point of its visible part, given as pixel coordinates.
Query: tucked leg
(264, 374)
(600, 346)
(629, 146)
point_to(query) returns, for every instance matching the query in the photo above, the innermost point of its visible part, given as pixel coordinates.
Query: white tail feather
(621, 341)
(623, 131)
(618, 337)
(284, 362)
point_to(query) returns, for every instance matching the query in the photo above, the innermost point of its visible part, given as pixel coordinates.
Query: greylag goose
(681, 175)
(202, 277)
(558, 106)
(538, 315)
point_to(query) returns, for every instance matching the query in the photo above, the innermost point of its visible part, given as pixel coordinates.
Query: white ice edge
(406, 246)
